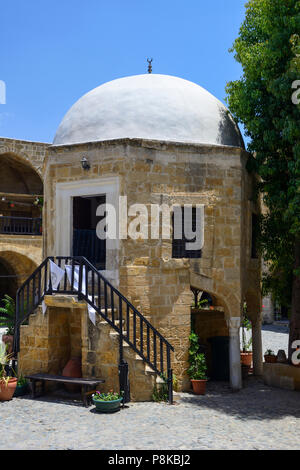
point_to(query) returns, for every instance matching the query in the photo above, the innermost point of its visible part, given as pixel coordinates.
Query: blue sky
(53, 52)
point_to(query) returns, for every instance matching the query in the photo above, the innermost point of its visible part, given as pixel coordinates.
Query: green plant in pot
(107, 402)
(7, 383)
(270, 356)
(7, 319)
(198, 367)
(246, 353)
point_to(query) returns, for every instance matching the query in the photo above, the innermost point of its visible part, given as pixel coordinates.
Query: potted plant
(7, 319)
(198, 368)
(246, 353)
(7, 383)
(107, 402)
(22, 387)
(270, 356)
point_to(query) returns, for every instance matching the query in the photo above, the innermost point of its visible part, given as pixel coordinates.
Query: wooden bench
(86, 384)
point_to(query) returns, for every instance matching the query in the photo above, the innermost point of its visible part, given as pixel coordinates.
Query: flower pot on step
(270, 358)
(7, 389)
(199, 386)
(246, 358)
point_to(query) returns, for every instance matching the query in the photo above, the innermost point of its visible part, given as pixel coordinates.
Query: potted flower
(22, 387)
(7, 319)
(107, 402)
(7, 383)
(246, 353)
(270, 356)
(198, 368)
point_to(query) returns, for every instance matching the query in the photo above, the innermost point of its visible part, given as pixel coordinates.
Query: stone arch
(221, 295)
(18, 265)
(21, 157)
(18, 174)
(19, 253)
(8, 279)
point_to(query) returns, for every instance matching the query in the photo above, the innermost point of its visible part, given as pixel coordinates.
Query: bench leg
(33, 388)
(83, 394)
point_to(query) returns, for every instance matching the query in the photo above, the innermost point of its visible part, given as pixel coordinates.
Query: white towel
(56, 274)
(91, 310)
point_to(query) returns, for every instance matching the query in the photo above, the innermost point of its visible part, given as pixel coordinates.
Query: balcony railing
(20, 225)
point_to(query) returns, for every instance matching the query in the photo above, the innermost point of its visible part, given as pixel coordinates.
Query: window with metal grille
(179, 245)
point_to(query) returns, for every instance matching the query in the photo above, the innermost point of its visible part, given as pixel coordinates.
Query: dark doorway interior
(8, 281)
(85, 241)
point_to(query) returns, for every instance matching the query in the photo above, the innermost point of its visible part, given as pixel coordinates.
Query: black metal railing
(84, 280)
(20, 225)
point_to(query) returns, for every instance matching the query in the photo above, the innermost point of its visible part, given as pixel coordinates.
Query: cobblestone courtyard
(257, 417)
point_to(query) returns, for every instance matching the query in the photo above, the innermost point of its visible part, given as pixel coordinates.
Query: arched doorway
(8, 280)
(209, 323)
(15, 268)
(21, 196)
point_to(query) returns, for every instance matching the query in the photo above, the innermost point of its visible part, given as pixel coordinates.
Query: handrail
(12, 225)
(107, 301)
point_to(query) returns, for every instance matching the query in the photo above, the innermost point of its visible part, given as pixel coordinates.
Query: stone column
(257, 347)
(234, 353)
(268, 309)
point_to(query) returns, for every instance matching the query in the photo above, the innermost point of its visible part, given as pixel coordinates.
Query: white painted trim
(63, 216)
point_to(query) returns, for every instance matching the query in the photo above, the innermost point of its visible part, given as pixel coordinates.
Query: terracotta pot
(7, 391)
(8, 341)
(72, 369)
(270, 359)
(199, 386)
(246, 358)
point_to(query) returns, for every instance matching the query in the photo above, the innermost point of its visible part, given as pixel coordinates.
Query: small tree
(268, 48)
(198, 368)
(7, 314)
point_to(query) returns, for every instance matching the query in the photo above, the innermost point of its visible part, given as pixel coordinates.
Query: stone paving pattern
(257, 417)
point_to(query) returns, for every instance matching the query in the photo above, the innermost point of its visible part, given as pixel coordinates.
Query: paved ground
(257, 417)
(274, 337)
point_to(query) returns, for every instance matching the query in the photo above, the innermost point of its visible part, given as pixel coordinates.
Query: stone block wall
(168, 173)
(50, 340)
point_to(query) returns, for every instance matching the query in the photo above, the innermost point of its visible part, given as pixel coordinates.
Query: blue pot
(107, 406)
(21, 390)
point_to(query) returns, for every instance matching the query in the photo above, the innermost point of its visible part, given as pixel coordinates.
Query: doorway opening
(85, 240)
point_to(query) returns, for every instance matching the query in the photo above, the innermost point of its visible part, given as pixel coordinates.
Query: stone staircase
(47, 341)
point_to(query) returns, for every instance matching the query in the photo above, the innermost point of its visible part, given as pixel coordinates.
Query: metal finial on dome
(150, 65)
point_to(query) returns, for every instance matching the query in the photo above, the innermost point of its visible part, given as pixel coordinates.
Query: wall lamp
(85, 163)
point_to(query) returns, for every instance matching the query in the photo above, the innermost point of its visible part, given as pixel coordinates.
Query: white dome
(151, 106)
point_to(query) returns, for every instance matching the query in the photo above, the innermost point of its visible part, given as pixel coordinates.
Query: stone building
(21, 190)
(157, 140)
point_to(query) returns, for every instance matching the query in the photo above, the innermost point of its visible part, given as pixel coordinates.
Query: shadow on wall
(229, 132)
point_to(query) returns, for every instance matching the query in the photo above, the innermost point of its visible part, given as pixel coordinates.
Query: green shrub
(198, 368)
